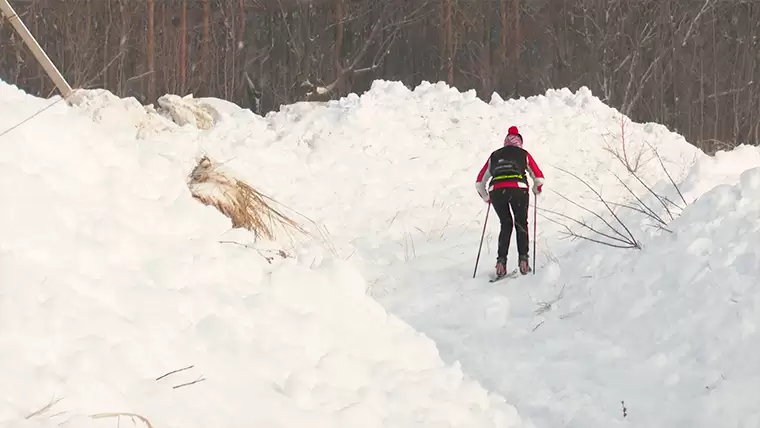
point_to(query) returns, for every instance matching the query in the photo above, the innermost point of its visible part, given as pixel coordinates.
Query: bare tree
(692, 66)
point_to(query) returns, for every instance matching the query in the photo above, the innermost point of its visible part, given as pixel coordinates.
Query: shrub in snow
(244, 205)
(615, 232)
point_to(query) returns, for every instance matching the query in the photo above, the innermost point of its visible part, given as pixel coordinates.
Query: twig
(662, 164)
(174, 371)
(644, 207)
(627, 243)
(189, 383)
(547, 306)
(611, 211)
(45, 408)
(117, 56)
(250, 247)
(659, 198)
(117, 415)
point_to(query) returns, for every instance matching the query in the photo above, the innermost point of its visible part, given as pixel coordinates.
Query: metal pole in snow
(33, 46)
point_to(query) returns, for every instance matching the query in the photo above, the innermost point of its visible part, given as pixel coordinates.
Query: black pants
(518, 200)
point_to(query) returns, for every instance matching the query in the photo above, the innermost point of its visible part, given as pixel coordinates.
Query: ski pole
(535, 216)
(481, 239)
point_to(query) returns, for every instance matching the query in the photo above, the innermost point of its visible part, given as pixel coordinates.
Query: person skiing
(505, 168)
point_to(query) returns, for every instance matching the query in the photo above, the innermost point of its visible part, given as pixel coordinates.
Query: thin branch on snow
(119, 415)
(667, 173)
(632, 163)
(642, 208)
(657, 196)
(606, 205)
(174, 371)
(620, 235)
(547, 306)
(280, 253)
(44, 409)
(624, 243)
(201, 379)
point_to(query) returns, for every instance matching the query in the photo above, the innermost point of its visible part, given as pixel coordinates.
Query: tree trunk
(151, 43)
(182, 48)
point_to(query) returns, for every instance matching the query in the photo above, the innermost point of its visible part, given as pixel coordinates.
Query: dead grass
(132, 416)
(45, 409)
(118, 415)
(245, 206)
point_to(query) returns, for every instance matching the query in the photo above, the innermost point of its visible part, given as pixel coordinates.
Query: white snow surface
(111, 274)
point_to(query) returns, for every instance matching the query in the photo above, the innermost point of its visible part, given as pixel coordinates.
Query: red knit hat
(513, 137)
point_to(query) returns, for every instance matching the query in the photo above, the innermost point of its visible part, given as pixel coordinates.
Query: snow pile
(599, 337)
(395, 162)
(656, 331)
(172, 114)
(112, 276)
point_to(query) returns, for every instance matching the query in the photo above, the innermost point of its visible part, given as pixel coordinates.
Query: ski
(514, 274)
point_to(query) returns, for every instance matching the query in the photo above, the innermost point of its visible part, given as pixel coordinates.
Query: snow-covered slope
(111, 276)
(664, 332)
(390, 176)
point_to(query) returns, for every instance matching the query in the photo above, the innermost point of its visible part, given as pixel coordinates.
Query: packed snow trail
(656, 331)
(666, 332)
(118, 298)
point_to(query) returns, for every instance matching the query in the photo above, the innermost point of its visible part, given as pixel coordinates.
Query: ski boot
(501, 267)
(524, 265)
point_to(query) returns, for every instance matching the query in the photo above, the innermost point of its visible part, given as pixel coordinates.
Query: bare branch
(607, 206)
(174, 371)
(699, 15)
(201, 379)
(119, 415)
(624, 244)
(547, 306)
(665, 170)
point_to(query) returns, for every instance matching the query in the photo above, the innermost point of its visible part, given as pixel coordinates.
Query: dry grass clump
(118, 415)
(244, 205)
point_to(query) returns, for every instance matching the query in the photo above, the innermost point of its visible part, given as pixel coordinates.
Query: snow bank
(655, 337)
(666, 330)
(111, 276)
(173, 114)
(661, 332)
(398, 166)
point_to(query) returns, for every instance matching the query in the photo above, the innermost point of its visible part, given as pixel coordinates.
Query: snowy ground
(127, 266)
(111, 275)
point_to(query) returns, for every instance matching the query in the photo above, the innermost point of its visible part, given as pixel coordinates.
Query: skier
(506, 169)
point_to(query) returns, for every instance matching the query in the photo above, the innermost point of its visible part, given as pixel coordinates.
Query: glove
(537, 189)
(486, 198)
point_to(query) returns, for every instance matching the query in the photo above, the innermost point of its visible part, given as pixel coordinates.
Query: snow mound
(653, 337)
(667, 329)
(173, 112)
(119, 293)
(598, 337)
(398, 165)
